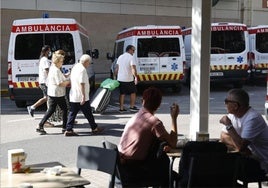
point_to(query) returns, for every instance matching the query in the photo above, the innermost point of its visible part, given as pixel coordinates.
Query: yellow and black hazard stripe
(261, 66)
(159, 77)
(228, 67)
(25, 84)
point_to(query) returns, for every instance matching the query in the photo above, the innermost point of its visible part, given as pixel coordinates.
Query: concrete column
(200, 67)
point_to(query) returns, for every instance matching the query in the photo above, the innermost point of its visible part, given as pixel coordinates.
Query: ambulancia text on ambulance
(229, 53)
(160, 53)
(258, 45)
(26, 40)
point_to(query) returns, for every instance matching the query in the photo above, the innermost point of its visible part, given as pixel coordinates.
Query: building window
(264, 3)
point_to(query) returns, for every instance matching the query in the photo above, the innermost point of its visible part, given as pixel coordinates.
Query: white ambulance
(266, 101)
(229, 61)
(258, 40)
(26, 40)
(160, 53)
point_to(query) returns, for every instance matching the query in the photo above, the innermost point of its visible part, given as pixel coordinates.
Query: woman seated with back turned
(140, 134)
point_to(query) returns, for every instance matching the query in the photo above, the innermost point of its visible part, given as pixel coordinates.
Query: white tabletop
(36, 178)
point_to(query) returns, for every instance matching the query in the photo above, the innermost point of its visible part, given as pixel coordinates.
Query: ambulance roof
(258, 29)
(47, 25)
(44, 21)
(221, 26)
(150, 30)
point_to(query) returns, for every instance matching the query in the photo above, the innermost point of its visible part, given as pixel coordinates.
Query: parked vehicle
(229, 61)
(26, 40)
(258, 40)
(266, 101)
(160, 54)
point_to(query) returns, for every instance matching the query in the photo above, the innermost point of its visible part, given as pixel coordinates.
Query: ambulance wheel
(20, 104)
(176, 88)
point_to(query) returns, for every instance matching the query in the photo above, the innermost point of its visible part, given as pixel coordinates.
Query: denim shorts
(43, 87)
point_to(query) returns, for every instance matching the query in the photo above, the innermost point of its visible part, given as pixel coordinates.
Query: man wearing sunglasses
(245, 129)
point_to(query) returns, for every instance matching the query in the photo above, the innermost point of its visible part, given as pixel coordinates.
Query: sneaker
(30, 111)
(70, 133)
(133, 109)
(63, 130)
(48, 124)
(97, 130)
(122, 110)
(41, 131)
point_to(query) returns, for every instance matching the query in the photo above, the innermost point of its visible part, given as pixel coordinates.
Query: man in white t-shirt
(79, 96)
(127, 76)
(245, 129)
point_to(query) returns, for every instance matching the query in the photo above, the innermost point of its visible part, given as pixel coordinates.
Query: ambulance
(266, 101)
(26, 40)
(229, 56)
(258, 40)
(160, 54)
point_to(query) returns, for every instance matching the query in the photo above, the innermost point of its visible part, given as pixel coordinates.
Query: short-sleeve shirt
(55, 77)
(253, 128)
(44, 64)
(125, 61)
(139, 134)
(78, 76)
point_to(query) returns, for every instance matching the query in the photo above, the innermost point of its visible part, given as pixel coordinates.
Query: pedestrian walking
(79, 96)
(56, 83)
(44, 64)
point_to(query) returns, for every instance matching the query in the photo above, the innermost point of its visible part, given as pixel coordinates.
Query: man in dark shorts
(127, 77)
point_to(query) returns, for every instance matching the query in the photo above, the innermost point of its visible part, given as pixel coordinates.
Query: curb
(4, 92)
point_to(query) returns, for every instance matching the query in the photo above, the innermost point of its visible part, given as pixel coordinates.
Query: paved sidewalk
(18, 131)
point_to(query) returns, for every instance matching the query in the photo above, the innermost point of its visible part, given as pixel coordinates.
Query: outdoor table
(173, 154)
(36, 178)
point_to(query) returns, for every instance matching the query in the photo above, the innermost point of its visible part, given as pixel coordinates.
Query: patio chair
(250, 172)
(120, 180)
(213, 170)
(192, 147)
(96, 158)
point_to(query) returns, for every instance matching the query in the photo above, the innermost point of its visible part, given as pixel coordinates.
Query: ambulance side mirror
(95, 54)
(109, 56)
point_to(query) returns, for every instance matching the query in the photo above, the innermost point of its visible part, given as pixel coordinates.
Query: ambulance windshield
(28, 46)
(227, 42)
(262, 42)
(158, 47)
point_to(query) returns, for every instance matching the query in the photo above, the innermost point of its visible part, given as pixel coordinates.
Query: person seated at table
(245, 129)
(140, 134)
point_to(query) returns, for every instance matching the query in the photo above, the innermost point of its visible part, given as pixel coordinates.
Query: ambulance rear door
(160, 55)
(229, 51)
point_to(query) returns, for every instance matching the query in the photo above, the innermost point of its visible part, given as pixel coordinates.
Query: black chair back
(213, 170)
(132, 181)
(96, 158)
(193, 147)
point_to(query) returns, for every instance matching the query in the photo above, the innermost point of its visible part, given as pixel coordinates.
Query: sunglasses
(226, 101)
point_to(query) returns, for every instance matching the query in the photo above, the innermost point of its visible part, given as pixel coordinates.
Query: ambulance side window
(119, 49)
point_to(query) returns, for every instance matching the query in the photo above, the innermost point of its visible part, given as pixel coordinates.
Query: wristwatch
(228, 127)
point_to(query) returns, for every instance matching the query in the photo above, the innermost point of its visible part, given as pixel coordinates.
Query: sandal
(97, 130)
